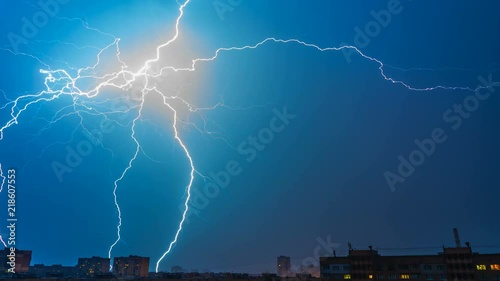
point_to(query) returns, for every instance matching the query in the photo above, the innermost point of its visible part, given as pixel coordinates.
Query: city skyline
(358, 264)
(284, 266)
(223, 134)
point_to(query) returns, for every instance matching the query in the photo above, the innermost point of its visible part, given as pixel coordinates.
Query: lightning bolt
(60, 83)
(2, 177)
(1, 188)
(143, 70)
(191, 179)
(3, 242)
(137, 149)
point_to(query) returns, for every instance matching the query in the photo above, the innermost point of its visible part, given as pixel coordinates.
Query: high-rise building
(90, 267)
(20, 261)
(131, 266)
(283, 267)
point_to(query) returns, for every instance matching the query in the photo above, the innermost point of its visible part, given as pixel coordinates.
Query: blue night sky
(320, 174)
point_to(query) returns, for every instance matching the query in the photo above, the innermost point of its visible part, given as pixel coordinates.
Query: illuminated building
(90, 267)
(454, 263)
(283, 267)
(131, 266)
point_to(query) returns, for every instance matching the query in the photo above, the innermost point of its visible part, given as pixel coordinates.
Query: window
(346, 268)
(440, 267)
(413, 266)
(392, 277)
(370, 276)
(481, 267)
(495, 267)
(347, 276)
(428, 267)
(429, 277)
(405, 276)
(442, 277)
(335, 268)
(382, 277)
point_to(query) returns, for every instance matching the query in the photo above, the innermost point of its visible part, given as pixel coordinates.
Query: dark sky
(321, 176)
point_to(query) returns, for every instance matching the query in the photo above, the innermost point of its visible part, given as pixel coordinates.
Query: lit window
(481, 267)
(495, 267)
(405, 276)
(347, 276)
(370, 276)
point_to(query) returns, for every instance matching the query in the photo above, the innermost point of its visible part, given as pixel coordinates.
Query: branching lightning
(59, 83)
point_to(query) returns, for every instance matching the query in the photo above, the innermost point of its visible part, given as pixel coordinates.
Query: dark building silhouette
(283, 266)
(90, 267)
(52, 271)
(22, 260)
(176, 269)
(454, 263)
(131, 266)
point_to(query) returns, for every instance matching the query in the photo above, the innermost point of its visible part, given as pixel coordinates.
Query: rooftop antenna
(457, 238)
